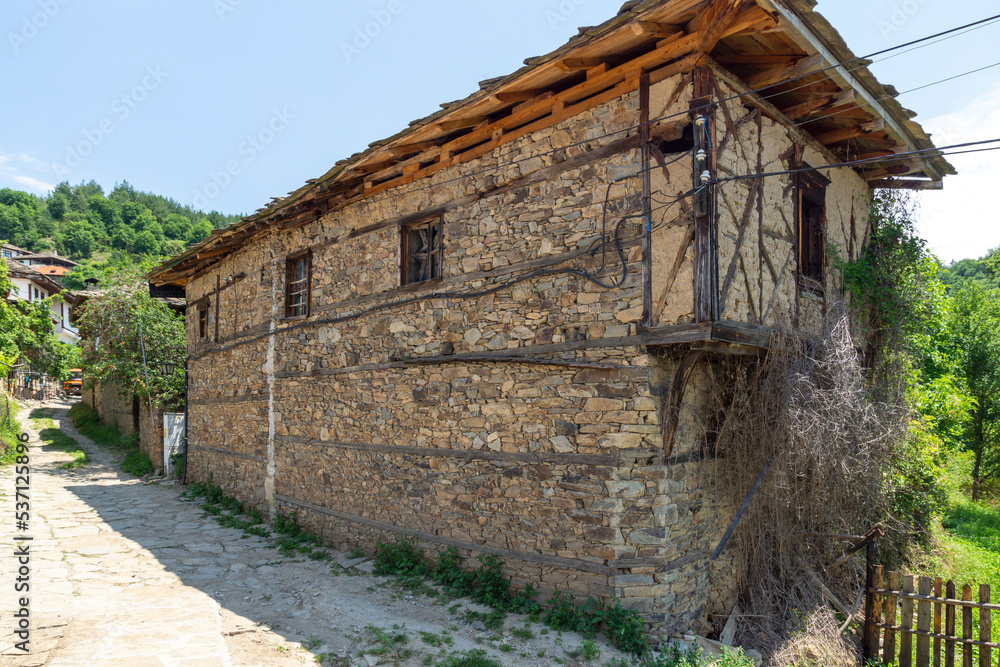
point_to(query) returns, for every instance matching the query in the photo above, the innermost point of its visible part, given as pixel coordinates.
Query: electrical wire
(967, 28)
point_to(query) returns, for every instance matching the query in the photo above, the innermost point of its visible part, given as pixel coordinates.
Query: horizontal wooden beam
(821, 106)
(853, 132)
(574, 64)
(656, 30)
(907, 184)
(507, 96)
(409, 149)
(775, 75)
(461, 123)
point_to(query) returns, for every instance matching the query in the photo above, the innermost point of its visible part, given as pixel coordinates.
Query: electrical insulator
(701, 156)
(699, 121)
(706, 177)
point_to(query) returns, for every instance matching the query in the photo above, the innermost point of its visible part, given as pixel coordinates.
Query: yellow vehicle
(74, 385)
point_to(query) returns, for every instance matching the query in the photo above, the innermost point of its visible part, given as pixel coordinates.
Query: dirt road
(126, 573)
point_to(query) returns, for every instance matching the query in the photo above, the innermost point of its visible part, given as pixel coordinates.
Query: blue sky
(172, 96)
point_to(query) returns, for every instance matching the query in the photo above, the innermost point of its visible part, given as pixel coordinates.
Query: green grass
(88, 422)
(968, 550)
(9, 431)
(55, 439)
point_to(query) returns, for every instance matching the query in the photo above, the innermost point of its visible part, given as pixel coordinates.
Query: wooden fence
(921, 626)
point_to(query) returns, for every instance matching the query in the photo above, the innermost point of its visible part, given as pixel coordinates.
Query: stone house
(30, 284)
(494, 330)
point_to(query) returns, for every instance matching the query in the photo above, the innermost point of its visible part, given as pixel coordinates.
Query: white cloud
(12, 174)
(963, 220)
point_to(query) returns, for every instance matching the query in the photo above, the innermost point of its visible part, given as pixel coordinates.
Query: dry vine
(810, 405)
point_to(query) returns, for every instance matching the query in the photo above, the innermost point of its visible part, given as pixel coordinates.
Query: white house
(31, 285)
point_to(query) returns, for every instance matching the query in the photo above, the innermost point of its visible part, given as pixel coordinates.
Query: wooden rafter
(717, 18)
(656, 30)
(777, 74)
(574, 64)
(508, 96)
(822, 105)
(874, 129)
(461, 123)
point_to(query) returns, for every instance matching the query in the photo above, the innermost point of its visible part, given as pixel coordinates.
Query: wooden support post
(869, 641)
(705, 279)
(647, 241)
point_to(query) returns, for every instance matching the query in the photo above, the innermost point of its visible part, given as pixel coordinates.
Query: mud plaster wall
(758, 262)
(535, 463)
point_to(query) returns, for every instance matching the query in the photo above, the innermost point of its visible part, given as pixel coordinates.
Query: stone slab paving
(125, 573)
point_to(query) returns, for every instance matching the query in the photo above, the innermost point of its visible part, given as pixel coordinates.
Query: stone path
(125, 573)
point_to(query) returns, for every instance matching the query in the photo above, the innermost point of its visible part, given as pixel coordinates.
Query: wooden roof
(778, 43)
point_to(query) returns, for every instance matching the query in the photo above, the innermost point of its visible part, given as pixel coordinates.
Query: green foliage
(449, 573)
(88, 422)
(137, 463)
(626, 629)
(402, 558)
(26, 331)
(10, 428)
(133, 334)
(490, 586)
(474, 658)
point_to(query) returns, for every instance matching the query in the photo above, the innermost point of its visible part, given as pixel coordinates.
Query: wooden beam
(821, 106)
(852, 132)
(753, 19)
(717, 18)
(907, 184)
(656, 30)
(409, 149)
(573, 64)
(461, 123)
(507, 96)
(777, 74)
(760, 59)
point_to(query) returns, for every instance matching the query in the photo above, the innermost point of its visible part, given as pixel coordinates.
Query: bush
(490, 587)
(449, 573)
(137, 464)
(402, 558)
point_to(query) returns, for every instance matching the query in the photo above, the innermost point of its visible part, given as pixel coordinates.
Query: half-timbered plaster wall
(757, 236)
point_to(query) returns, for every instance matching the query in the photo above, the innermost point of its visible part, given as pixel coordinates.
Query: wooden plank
(949, 626)
(937, 623)
(574, 64)
(876, 606)
(775, 75)
(924, 623)
(871, 129)
(967, 626)
(463, 454)
(647, 240)
(462, 123)
(507, 96)
(931, 635)
(655, 30)
(906, 622)
(409, 149)
(985, 629)
(715, 21)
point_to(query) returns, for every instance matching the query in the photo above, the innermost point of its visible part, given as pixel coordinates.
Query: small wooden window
(298, 281)
(421, 250)
(203, 321)
(811, 214)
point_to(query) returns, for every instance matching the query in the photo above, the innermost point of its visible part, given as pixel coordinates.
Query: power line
(967, 27)
(875, 160)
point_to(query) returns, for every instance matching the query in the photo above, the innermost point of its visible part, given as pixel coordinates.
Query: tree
(146, 244)
(26, 330)
(77, 239)
(123, 238)
(975, 338)
(176, 226)
(200, 231)
(18, 213)
(103, 214)
(122, 323)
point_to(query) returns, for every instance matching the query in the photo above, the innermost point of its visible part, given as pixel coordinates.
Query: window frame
(291, 261)
(435, 272)
(810, 196)
(202, 321)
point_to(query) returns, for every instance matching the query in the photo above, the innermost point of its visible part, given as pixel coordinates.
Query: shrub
(449, 573)
(402, 558)
(490, 587)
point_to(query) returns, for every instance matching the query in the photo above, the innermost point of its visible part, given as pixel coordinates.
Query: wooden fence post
(924, 623)
(869, 642)
(906, 611)
(937, 623)
(889, 645)
(967, 626)
(874, 633)
(985, 633)
(949, 627)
